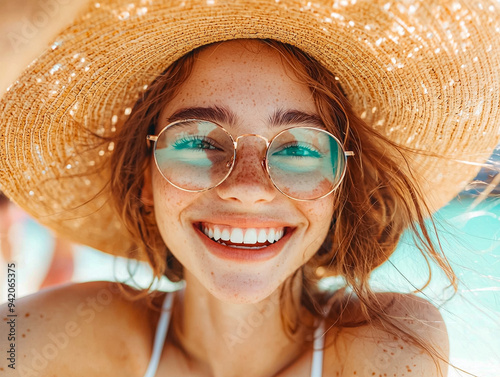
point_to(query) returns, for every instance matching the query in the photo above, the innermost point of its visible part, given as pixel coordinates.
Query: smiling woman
(250, 169)
(244, 238)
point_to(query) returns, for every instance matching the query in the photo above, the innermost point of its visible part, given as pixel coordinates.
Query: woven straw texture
(424, 73)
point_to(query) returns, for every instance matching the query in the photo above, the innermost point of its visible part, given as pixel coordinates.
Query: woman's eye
(298, 151)
(195, 143)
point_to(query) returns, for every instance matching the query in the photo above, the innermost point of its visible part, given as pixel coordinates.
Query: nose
(248, 182)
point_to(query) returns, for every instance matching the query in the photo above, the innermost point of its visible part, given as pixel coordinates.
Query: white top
(164, 321)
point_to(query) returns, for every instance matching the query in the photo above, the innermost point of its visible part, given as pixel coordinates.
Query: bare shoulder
(372, 350)
(80, 329)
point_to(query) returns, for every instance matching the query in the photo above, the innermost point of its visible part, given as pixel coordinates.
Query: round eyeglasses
(303, 163)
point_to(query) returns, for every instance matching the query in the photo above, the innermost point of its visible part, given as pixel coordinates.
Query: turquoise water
(470, 238)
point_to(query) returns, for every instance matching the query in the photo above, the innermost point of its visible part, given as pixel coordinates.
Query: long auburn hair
(375, 203)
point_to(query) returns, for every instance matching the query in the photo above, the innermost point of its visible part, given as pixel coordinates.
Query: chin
(242, 288)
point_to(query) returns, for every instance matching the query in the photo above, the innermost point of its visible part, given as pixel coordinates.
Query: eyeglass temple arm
(349, 153)
(151, 138)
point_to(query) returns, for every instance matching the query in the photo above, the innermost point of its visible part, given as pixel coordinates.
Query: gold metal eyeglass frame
(264, 162)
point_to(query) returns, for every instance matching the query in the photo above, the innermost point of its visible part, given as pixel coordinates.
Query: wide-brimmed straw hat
(424, 73)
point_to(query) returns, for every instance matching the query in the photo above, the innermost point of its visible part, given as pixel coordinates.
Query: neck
(225, 339)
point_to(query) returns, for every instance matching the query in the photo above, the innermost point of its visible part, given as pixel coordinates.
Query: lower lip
(243, 255)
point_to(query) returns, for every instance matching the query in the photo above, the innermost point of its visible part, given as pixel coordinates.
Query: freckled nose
(248, 182)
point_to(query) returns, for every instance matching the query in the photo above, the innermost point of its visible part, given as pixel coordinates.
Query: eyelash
(311, 150)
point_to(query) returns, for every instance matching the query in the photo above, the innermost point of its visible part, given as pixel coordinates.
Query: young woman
(249, 169)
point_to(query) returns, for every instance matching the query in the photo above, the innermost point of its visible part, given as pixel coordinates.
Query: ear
(147, 188)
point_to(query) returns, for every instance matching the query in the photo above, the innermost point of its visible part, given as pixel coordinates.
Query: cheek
(319, 213)
(319, 216)
(168, 203)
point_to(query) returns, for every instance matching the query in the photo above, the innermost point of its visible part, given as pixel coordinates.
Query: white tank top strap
(164, 321)
(160, 335)
(319, 343)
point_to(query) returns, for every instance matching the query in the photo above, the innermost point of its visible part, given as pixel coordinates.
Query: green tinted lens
(194, 154)
(306, 163)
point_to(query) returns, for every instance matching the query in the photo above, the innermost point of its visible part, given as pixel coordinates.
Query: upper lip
(246, 221)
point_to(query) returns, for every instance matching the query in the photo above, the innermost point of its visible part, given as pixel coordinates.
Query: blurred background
(469, 228)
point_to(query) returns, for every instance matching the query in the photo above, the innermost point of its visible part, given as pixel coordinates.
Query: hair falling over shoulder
(378, 200)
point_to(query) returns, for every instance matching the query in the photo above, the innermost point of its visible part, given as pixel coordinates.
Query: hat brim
(420, 76)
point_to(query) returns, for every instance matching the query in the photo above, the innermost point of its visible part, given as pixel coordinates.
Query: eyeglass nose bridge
(263, 161)
(246, 135)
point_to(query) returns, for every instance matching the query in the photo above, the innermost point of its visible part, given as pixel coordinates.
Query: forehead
(248, 77)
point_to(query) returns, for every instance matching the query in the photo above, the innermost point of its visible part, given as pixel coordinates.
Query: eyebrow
(216, 114)
(294, 117)
(223, 115)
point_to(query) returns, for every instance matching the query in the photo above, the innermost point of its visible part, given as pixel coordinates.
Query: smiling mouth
(243, 238)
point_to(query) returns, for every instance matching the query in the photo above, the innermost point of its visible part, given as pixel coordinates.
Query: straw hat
(424, 73)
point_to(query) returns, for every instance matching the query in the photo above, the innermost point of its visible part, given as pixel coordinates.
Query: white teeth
(237, 235)
(216, 233)
(247, 247)
(250, 236)
(270, 236)
(225, 236)
(262, 236)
